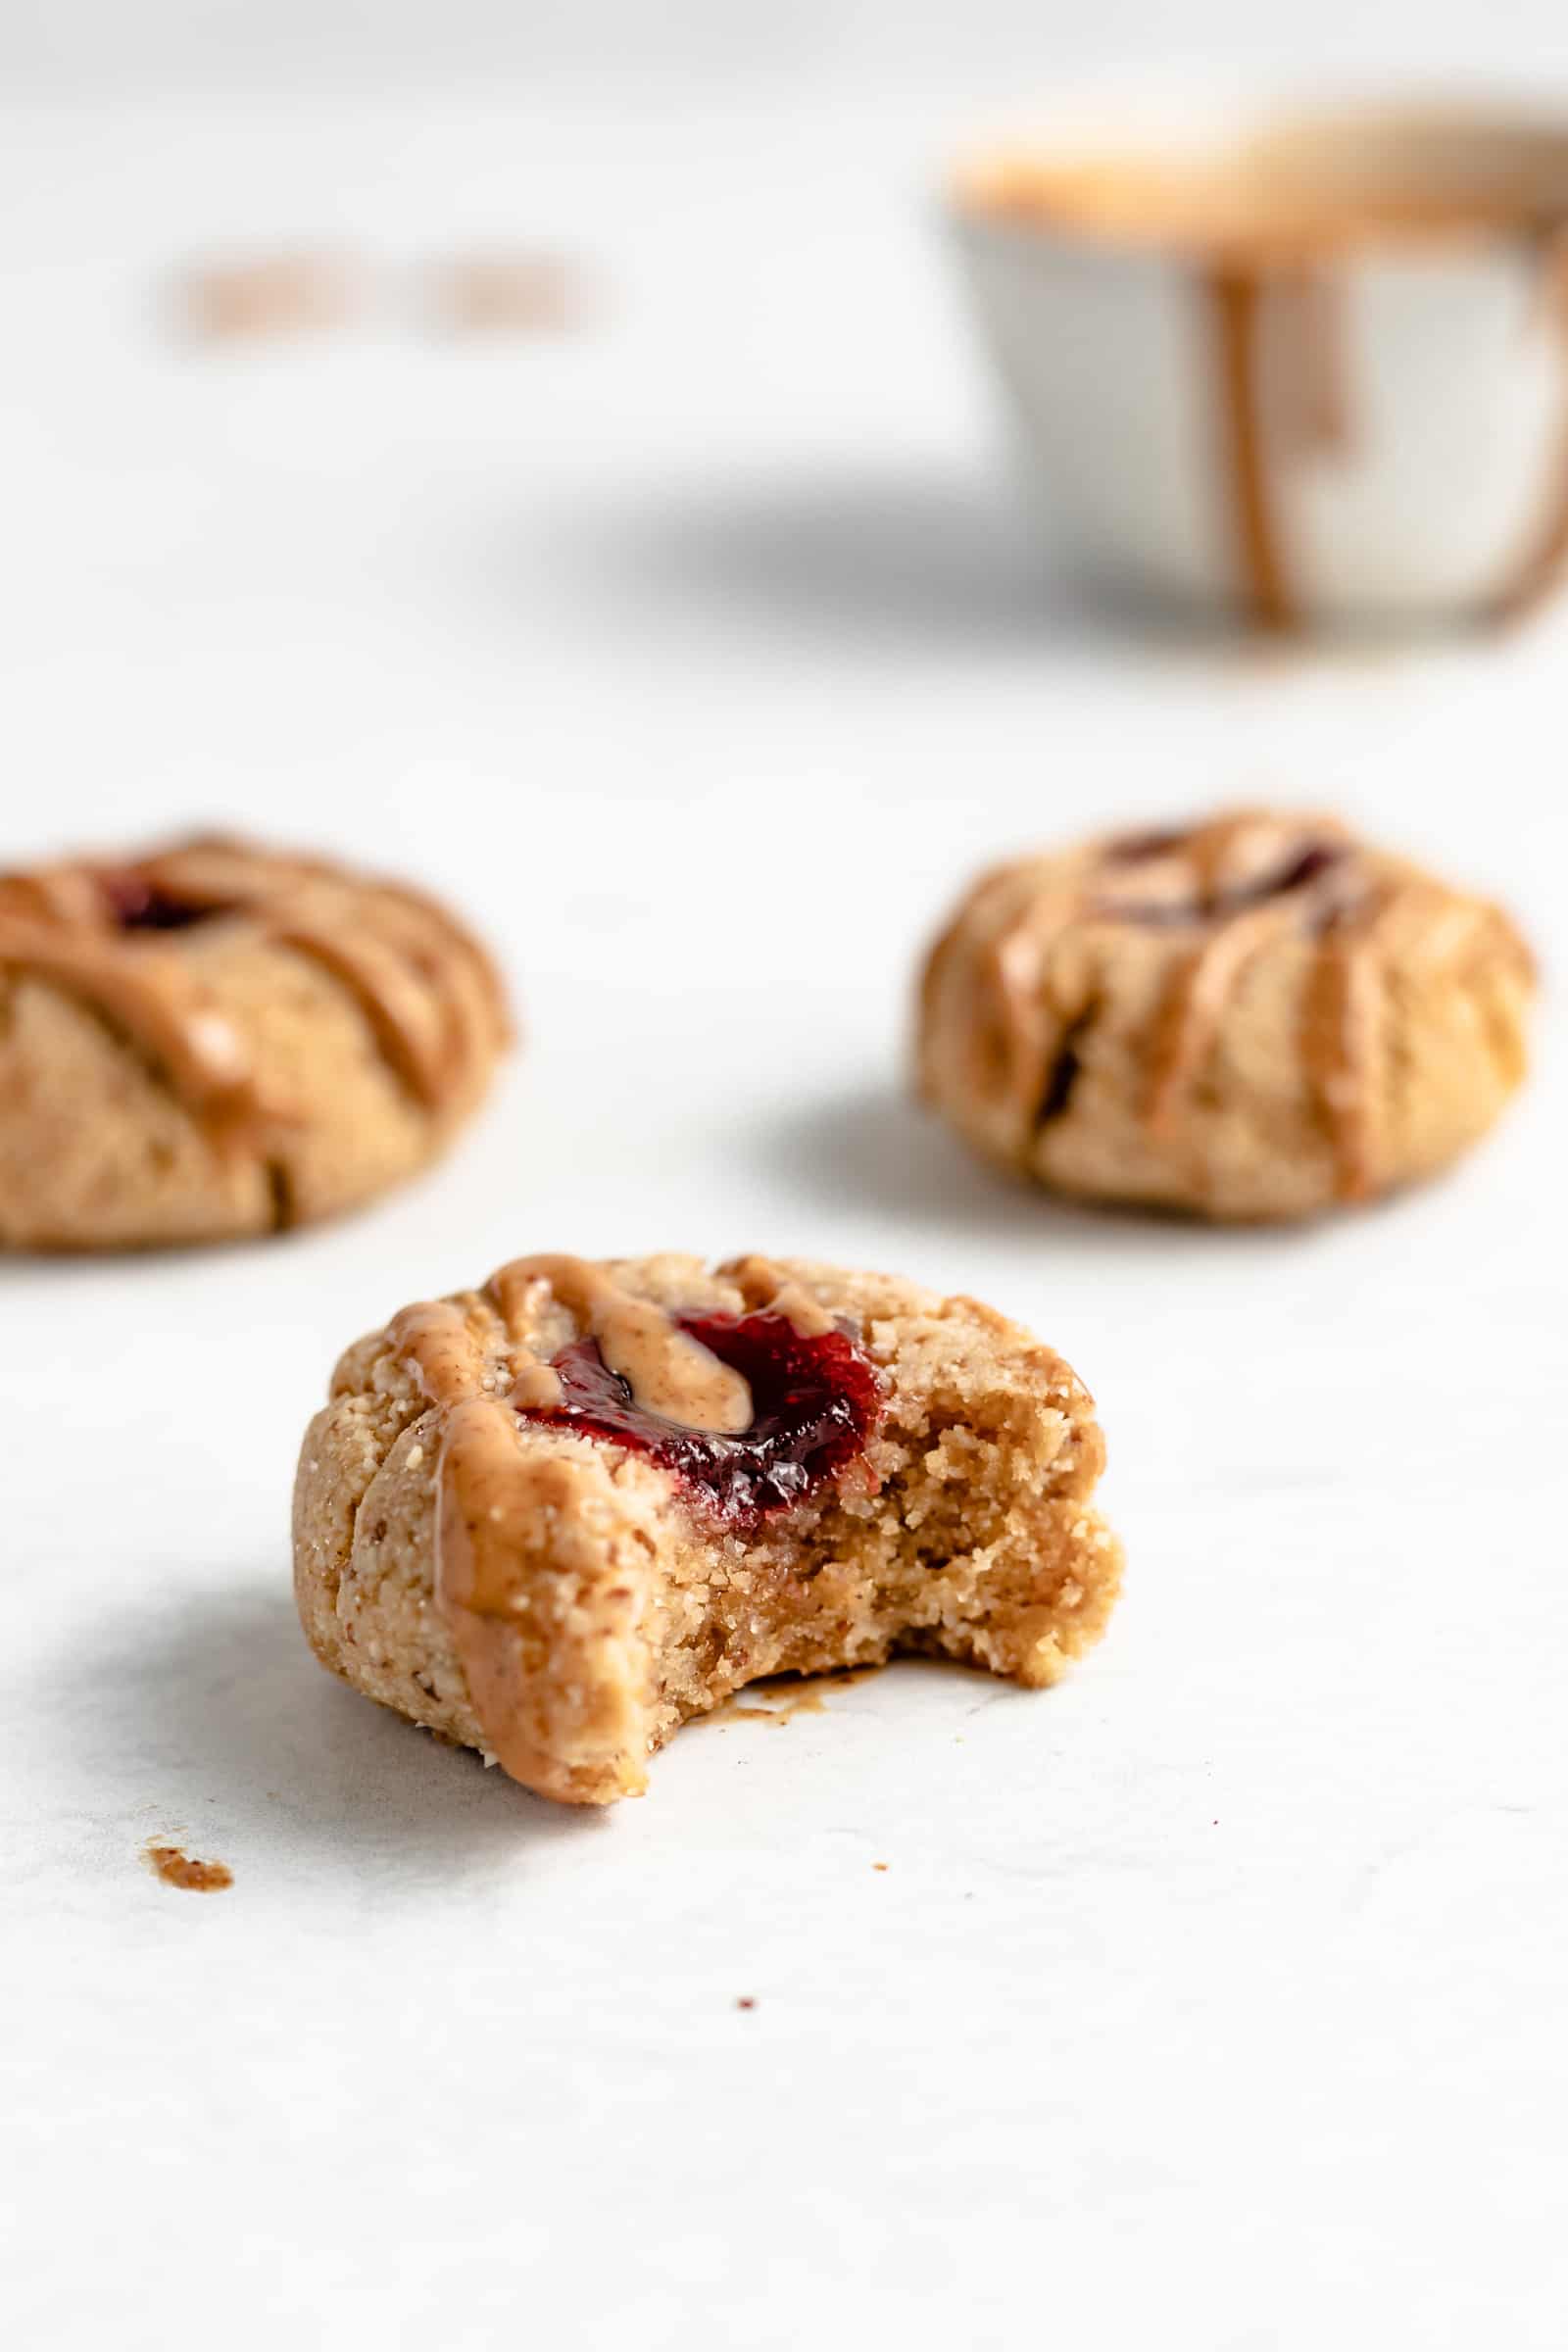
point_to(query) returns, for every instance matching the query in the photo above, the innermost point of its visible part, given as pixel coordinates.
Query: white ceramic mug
(1311, 364)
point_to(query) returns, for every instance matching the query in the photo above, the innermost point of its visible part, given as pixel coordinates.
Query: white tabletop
(1212, 2000)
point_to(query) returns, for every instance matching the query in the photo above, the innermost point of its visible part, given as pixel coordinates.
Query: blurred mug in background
(1310, 364)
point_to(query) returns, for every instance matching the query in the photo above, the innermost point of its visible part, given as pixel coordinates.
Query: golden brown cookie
(555, 1517)
(214, 1040)
(1252, 1018)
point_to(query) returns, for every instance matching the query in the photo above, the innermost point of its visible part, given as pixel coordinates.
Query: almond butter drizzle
(438, 1343)
(489, 1493)
(497, 1504)
(1191, 1012)
(1271, 415)
(1341, 1031)
(155, 999)
(1540, 567)
(1338, 1034)
(427, 992)
(505, 1512)
(767, 1291)
(1235, 301)
(670, 1373)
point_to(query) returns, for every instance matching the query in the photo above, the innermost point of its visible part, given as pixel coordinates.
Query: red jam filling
(1299, 872)
(816, 1401)
(139, 906)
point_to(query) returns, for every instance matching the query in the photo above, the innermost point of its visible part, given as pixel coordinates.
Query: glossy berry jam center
(815, 1402)
(1298, 873)
(139, 906)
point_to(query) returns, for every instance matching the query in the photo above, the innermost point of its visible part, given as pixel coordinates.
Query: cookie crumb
(879, 1866)
(177, 1868)
(745, 2002)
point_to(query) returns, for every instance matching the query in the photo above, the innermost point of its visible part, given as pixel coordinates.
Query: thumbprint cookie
(555, 1517)
(1256, 1016)
(213, 1040)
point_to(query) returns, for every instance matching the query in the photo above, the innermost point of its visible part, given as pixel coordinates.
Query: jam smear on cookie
(135, 904)
(1299, 872)
(816, 1400)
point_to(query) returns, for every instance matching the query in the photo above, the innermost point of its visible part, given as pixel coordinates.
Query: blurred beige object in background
(269, 294)
(503, 292)
(1310, 364)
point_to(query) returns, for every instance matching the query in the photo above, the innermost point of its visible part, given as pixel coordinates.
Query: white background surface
(1211, 2001)
(1000, 44)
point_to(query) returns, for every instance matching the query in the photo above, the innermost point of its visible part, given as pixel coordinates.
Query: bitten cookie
(213, 1040)
(1254, 1017)
(555, 1517)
